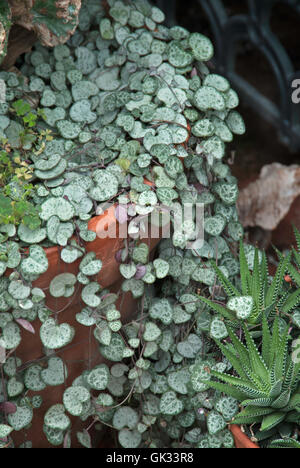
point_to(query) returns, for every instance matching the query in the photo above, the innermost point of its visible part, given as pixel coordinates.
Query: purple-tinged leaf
(26, 325)
(8, 408)
(118, 256)
(140, 272)
(121, 214)
(67, 440)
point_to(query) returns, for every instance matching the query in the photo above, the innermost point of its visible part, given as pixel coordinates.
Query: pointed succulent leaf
(272, 420)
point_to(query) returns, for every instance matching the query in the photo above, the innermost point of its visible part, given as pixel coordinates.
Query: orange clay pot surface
(241, 440)
(83, 352)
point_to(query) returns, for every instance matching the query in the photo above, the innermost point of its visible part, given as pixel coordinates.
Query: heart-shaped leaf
(103, 334)
(71, 253)
(90, 266)
(129, 439)
(18, 290)
(14, 387)
(89, 296)
(135, 286)
(98, 377)
(55, 418)
(73, 399)
(125, 417)
(85, 439)
(36, 263)
(228, 407)
(10, 366)
(201, 46)
(11, 337)
(170, 405)
(218, 329)
(31, 236)
(162, 310)
(152, 332)
(161, 268)
(55, 336)
(55, 437)
(57, 206)
(141, 253)
(32, 378)
(178, 381)
(56, 373)
(215, 225)
(21, 418)
(59, 233)
(63, 285)
(5, 430)
(86, 317)
(128, 271)
(106, 185)
(242, 305)
(215, 423)
(190, 347)
(200, 374)
(115, 350)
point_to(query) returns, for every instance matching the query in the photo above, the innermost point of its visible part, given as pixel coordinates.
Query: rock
(50, 22)
(267, 201)
(26, 13)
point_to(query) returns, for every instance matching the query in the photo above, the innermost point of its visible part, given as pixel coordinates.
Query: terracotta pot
(83, 352)
(241, 440)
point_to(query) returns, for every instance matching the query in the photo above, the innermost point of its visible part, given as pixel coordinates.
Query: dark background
(264, 142)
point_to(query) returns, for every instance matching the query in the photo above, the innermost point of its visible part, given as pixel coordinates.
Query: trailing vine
(130, 114)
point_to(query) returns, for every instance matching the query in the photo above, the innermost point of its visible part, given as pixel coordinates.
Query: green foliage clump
(259, 293)
(16, 172)
(268, 381)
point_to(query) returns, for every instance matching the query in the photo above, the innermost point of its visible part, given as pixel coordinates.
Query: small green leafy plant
(267, 382)
(16, 173)
(258, 294)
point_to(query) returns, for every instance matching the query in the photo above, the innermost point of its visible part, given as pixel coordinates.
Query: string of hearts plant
(127, 112)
